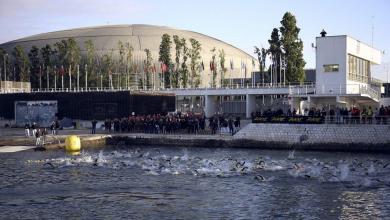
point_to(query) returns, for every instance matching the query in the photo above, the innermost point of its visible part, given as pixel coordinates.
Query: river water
(194, 183)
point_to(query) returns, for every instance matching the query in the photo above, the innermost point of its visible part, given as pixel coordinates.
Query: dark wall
(90, 105)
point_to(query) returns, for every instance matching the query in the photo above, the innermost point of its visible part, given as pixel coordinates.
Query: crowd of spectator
(353, 115)
(172, 123)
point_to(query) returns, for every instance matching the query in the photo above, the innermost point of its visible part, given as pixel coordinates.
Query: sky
(244, 23)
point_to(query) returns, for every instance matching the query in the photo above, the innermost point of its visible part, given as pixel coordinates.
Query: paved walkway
(16, 136)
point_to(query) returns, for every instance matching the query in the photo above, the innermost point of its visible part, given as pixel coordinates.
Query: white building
(343, 74)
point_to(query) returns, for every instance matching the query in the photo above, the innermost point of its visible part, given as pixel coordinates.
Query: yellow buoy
(72, 143)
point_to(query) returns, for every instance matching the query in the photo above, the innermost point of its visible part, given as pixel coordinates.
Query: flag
(62, 71)
(212, 66)
(253, 63)
(202, 66)
(154, 68)
(231, 65)
(164, 67)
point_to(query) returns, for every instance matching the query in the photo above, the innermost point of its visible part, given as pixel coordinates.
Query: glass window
(331, 68)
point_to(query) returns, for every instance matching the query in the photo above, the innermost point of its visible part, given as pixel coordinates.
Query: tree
(107, 66)
(165, 57)
(34, 66)
(47, 58)
(122, 54)
(22, 64)
(221, 56)
(62, 51)
(90, 58)
(261, 57)
(178, 50)
(2, 57)
(184, 68)
(68, 55)
(292, 46)
(213, 68)
(275, 51)
(129, 56)
(194, 54)
(148, 67)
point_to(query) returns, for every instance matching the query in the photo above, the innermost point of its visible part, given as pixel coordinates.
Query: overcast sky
(242, 23)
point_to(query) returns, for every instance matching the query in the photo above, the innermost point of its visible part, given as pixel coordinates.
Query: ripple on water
(201, 182)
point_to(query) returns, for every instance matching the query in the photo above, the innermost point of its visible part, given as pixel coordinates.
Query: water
(193, 183)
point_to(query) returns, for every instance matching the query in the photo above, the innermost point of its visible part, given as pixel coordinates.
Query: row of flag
(164, 67)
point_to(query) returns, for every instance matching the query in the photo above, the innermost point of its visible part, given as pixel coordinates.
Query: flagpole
(86, 77)
(40, 77)
(78, 77)
(47, 77)
(55, 78)
(280, 68)
(70, 77)
(62, 77)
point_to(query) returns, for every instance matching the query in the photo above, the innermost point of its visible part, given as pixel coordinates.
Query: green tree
(275, 51)
(165, 57)
(194, 54)
(22, 64)
(90, 58)
(261, 57)
(129, 56)
(122, 67)
(47, 58)
(213, 68)
(184, 68)
(34, 66)
(292, 46)
(178, 51)
(148, 68)
(107, 67)
(221, 56)
(62, 52)
(2, 57)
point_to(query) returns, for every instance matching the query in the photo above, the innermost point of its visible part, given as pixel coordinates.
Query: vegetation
(21, 64)
(34, 66)
(47, 58)
(292, 46)
(223, 70)
(184, 68)
(165, 58)
(148, 68)
(90, 67)
(195, 65)
(213, 68)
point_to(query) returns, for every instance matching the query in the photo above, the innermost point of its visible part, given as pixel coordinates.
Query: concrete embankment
(324, 137)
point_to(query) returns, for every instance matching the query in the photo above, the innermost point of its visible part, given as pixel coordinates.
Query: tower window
(331, 68)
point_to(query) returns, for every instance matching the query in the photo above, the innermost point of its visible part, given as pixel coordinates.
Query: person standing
(34, 129)
(27, 129)
(53, 128)
(94, 122)
(37, 135)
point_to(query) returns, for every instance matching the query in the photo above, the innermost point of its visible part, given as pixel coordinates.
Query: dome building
(238, 64)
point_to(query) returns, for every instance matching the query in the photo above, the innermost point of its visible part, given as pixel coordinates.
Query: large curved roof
(138, 35)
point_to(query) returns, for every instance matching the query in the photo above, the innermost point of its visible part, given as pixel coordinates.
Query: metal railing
(349, 89)
(150, 89)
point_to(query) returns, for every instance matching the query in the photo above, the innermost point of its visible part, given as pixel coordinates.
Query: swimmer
(259, 178)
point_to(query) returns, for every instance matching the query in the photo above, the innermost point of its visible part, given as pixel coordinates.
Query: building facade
(238, 64)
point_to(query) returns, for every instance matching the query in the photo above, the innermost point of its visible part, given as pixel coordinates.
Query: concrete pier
(323, 137)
